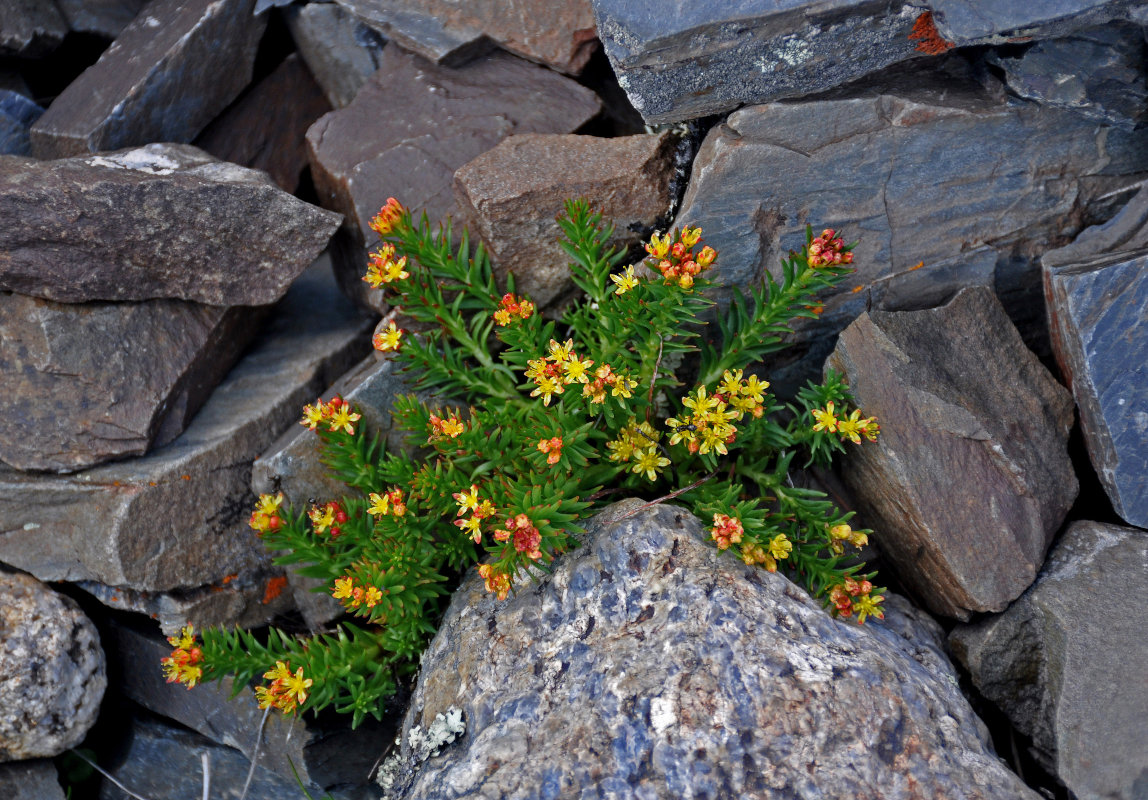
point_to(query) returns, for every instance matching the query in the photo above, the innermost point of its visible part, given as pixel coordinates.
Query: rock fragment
(30, 28)
(106, 18)
(340, 51)
(35, 779)
(17, 113)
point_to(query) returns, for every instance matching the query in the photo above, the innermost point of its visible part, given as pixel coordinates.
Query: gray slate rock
(510, 196)
(17, 113)
(970, 478)
(941, 175)
(1098, 312)
(326, 753)
(557, 33)
(710, 58)
(648, 665)
(156, 221)
(177, 517)
(1065, 662)
(168, 74)
(30, 780)
(97, 382)
(53, 668)
(30, 28)
(992, 21)
(106, 18)
(1097, 72)
(340, 51)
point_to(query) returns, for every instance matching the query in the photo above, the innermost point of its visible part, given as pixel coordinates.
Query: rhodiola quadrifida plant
(552, 420)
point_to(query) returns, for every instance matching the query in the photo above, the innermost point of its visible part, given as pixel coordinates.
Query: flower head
(625, 282)
(826, 421)
(389, 339)
(388, 218)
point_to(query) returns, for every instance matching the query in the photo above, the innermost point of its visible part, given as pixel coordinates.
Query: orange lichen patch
(186, 477)
(918, 265)
(228, 579)
(857, 289)
(930, 41)
(274, 589)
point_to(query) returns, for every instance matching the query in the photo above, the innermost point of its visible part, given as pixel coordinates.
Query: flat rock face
(709, 58)
(511, 195)
(970, 478)
(1065, 662)
(1098, 311)
(105, 18)
(35, 779)
(663, 669)
(168, 74)
(30, 28)
(264, 128)
(558, 33)
(53, 668)
(17, 113)
(96, 382)
(340, 51)
(177, 517)
(970, 189)
(155, 221)
(966, 21)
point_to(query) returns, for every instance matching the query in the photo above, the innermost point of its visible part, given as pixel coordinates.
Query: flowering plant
(555, 419)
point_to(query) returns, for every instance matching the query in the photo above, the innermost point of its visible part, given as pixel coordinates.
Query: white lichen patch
(142, 159)
(423, 744)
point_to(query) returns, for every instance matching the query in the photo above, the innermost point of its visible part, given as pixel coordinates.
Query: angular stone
(1065, 662)
(557, 33)
(17, 113)
(1098, 310)
(53, 668)
(30, 780)
(106, 18)
(709, 58)
(979, 21)
(666, 669)
(340, 51)
(30, 28)
(1125, 232)
(970, 478)
(155, 221)
(1097, 72)
(264, 128)
(177, 517)
(932, 174)
(168, 74)
(324, 751)
(96, 382)
(510, 196)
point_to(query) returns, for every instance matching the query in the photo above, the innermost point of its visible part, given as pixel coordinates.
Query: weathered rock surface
(340, 51)
(1098, 72)
(168, 74)
(970, 478)
(53, 670)
(708, 58)
(663, 669)
(95, 382)
(155, 221)
(937, 174)
(976, 21)
(30, 28)
(1065, 662)
(511, 194)
(1125, 232)
(177, 517)
(106, 18)
(558, 33)
(1098, 311)
(264, 128)
(17, 113)
(30, 780)
(325, 752)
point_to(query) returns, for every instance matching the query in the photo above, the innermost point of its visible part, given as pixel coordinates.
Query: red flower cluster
(512, 308)
(327, 517)
(827, 250)
(726, 530)
(852, 597)
(183, 664)
(673, 256)
(527, 538)
(388, 217)
(266, 517)
(552, 447)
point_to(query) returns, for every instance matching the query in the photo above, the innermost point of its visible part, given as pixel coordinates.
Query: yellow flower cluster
(356, 595)
(182, 666)
(266, 517)
(839, 534)
(327, 517)
(383, 268)
(853, 597)
(512, 308)
(638, 443)
(496, 581)
(851, 427)
(708, 426)
(336, 412)
(480, 509)
(778, 550)
(286, 691)
(673, 256)
(388, 503)
(389, 339)
(388, 217)
(449, 428)
(557, 370)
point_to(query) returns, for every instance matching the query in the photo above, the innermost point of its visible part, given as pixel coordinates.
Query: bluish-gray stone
(17, 113)
(340, 51)
(30, 28)
(980, 21)
(105, 18)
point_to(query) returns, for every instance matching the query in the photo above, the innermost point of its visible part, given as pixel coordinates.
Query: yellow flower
(841, 531)
(699, 403)
(625, 282)
(373, 597)
(659, 246)
(185, 640)
(322, 517)
(313, 415)
(730, 383)
(388, 339)
(342, 418)
(395, 270)
(755, 389)
(867, 606)
(467, 501)
(561, 352)
(825, 419)
(575, 370)
(472, 526)
(297, 685)
(622, 387)
(343, 588)
(780, 547)
(650, 463)
(690, 236)
(452, 427)
(547, 387)
(621, 449)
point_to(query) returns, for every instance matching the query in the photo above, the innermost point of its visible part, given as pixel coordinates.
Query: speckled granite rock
(53, 670)
(1066, 662)
(647, 665)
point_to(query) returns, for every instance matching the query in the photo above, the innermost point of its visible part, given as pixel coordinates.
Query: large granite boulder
(943, 185)
(155, 221)
(970, 478)
(511, 195)
(53, 670)
(647, 664)
(1065, 662)
(170, 71)
(557, 33)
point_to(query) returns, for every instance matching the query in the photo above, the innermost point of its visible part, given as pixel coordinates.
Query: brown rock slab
(96, 382)
(155, 221)
(970, 478)
(340, 50)
(511, 195)
(170, 72)
(177, 517)
(264, 128)
(558, 33)
(30, 28)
